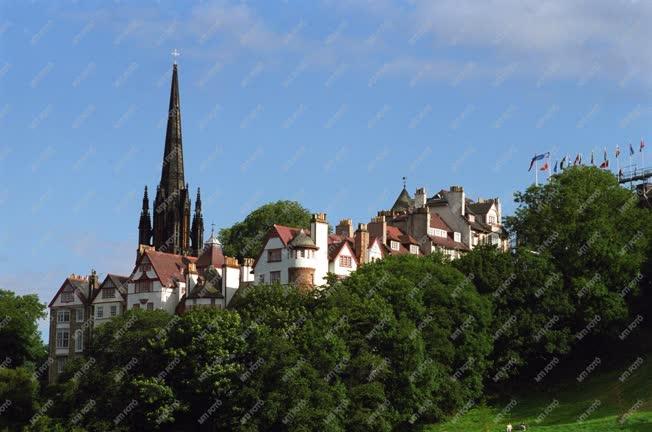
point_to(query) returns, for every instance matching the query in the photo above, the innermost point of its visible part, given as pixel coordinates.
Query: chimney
(246, 270)
(378, 228)
(420, 198)
(362, 243)
(93, 282)
(457, 200)
(319, 234)
(345, 228)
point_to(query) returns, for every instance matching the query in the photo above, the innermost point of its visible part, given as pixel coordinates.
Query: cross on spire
(175, 54)
(212, 229)
(404, 181)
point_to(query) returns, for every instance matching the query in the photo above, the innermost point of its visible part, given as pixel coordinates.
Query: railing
(635, 175)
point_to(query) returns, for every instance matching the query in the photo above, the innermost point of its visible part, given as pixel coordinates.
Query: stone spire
(145, 224)
(172, 173)
(172, 204)
(197, 230)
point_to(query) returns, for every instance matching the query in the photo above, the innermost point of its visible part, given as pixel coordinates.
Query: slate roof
(208, 286)
(302, 240)
(480, 208)
(403, 201)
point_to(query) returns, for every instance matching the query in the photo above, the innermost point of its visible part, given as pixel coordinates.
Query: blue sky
(328, 102)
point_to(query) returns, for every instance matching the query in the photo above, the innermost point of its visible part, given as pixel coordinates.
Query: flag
(642, 146)
(561, 164)
(544, 167)
(592, 158)
(605, 164)
(617, 150)
(555, 168)
(631, 150)
(537, 157)
(620, 172)
(578, 159)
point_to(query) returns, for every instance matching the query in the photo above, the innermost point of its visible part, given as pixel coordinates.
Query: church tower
(171, 210)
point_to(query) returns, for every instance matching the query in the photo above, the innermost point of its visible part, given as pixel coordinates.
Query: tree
(531, 310)
(18, 397)
(596, 236)
(417, 339)
(19, 335)
(245, 238)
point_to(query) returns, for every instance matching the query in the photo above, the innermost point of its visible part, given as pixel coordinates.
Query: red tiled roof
(437, 222)
(448, 242)
(285, 233)
(168, 266)
(394, 233)
(212, 255)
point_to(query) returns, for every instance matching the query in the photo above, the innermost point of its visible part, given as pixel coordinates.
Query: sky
(327, 102)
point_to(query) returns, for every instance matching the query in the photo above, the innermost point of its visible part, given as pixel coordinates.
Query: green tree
(417, 336)
(20, 339)
(532, 312)
(245, 238)
(18, 397)
(596, 236)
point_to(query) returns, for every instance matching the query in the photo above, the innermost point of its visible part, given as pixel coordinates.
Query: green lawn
(573, 401)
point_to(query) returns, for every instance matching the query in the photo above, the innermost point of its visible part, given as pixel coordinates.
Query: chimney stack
(420, 198)
(457, 200)
(345, 228)
(362, 243)
(378, 227)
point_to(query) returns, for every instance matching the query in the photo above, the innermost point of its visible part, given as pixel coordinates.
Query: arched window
(79, 341)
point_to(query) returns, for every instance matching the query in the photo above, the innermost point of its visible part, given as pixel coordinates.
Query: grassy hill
(599, 402)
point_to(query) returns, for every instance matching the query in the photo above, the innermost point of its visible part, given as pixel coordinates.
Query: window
(108, 293)
(395, 245)
(61, 363)
(114, 310)
(136, 306)
(99, 311)
(67, 297)
(275, 277)
(457, 237)
(150, 306)
(63, 338)
(79, 315)
(414, 249)
(345, 261)
(440, 232)
(79, 341)
(143, 286)
(63, 316)
(273, 255)
(145, 267)
(492, 219)
(261, 278)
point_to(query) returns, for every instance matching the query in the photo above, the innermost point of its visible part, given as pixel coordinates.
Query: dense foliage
(245, 238)
(402, 342)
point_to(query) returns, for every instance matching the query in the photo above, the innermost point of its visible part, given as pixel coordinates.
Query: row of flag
(565, 161)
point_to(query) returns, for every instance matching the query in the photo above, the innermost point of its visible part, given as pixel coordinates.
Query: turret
(145, 225)
(197, 230)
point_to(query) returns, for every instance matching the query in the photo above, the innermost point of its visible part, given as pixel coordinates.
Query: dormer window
(145, 267)
(414, 249)
(440, 232)
(491, 219)
(457, 237)
(394, 245)
(108, 293)
(346, 261)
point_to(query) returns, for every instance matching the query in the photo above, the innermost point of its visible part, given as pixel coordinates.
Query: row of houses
(447, 222)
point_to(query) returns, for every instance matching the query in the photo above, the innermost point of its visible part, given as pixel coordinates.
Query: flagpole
(536, 173)
(549, 163)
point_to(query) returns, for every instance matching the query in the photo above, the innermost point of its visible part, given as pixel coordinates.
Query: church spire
(197, 230)
(172, 173)
(145, 225)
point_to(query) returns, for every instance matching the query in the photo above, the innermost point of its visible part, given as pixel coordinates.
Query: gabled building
(110, 299)
(448, 221)
(70, 320)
